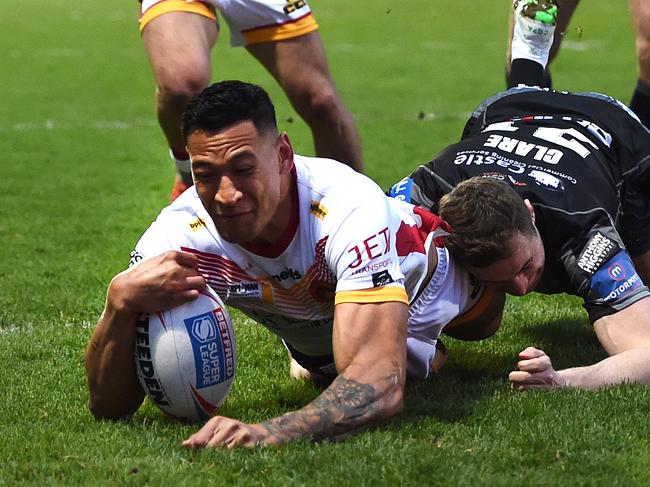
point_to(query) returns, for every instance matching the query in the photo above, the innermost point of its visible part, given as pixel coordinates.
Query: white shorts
(250, 21)
(451, 294)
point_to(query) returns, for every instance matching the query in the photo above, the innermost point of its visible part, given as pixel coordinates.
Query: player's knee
(321, 105)
(181, 89)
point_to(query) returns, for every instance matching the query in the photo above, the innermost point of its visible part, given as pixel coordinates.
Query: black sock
(640, 103)
(527, 72)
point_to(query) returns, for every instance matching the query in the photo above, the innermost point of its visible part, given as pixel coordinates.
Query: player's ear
(285, 152)
(530, 209)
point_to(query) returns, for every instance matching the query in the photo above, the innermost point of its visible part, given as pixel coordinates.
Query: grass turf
(84, 171)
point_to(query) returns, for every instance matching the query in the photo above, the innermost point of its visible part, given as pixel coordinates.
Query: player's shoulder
(182, 218)
(327, 180)
(187, 203)
(324, 174)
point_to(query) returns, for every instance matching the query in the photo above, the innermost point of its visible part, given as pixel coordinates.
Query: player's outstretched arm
(162, 282)
(625, 335)
(370, 351)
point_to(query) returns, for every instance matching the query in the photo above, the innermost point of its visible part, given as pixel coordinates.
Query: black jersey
(583, 161)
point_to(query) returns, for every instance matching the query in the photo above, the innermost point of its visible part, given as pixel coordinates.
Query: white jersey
(347, 242)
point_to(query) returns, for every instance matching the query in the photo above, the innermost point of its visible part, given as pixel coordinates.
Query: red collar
(274, 250)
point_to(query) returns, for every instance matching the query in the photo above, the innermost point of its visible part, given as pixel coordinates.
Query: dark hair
(484, 214)
(223, 104)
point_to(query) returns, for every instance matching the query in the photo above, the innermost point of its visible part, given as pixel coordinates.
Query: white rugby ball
(186, 357)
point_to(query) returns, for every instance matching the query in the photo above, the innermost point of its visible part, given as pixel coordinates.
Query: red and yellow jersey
(347, 242)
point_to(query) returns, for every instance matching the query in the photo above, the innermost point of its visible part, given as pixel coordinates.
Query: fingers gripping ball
(186, 357)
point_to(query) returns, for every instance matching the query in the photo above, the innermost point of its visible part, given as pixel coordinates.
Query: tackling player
(552, 194)
(351, 281)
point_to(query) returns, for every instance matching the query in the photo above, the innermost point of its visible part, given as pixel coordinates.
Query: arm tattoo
(344, 406)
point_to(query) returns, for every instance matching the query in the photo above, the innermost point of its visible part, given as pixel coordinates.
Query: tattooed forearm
(344, 406)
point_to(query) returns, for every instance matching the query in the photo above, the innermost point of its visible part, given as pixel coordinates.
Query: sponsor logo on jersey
(293, 5)
(503, 177)
(135, 257)
(212, 346)
(495, 175)
(616, 272)
(624, 288)
(373, 267)
(318, 210)
(145, 364)
(546, 180)
(402, 190)
(244, 289)
(382, 279)
(616, 279)
(372, 247)
(543, 176)
(597, 251)
(287, 273)
(197, 224)
(481, 157)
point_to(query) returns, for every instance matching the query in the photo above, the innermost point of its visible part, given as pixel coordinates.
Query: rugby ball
(186, 357)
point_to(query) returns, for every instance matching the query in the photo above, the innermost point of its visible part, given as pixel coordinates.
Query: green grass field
(84, 171)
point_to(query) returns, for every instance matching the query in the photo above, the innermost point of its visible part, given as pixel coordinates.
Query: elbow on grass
(394, 398)
(109, 410)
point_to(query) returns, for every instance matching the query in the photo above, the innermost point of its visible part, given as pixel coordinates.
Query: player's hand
(220, 432)
(162, 282)
(535, 371)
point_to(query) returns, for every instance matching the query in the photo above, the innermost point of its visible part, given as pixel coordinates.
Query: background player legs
(300, 67)
(178, 46)
(565, 11)
(640, 102)
(533, 36)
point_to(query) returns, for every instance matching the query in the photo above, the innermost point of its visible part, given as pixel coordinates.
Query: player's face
(518, 274)
(242, 177)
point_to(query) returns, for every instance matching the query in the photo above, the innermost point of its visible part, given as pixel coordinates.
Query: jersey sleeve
(361, 252)
(614, 286)
(603, 273)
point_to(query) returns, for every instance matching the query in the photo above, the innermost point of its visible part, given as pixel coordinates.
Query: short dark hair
(485, 214)
(226, 103)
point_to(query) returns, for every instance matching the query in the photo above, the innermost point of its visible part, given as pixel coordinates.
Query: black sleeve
(602, 273)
